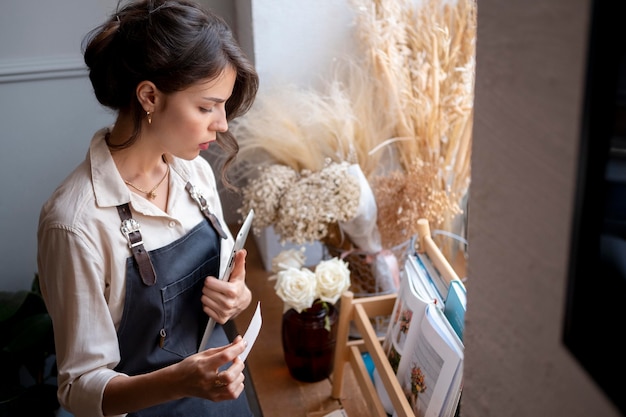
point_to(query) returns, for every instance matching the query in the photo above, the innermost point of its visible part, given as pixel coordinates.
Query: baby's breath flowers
(300, 288)
(264, 192)
(302, 206)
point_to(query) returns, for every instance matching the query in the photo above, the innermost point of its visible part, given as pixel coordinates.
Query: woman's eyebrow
(214, 99)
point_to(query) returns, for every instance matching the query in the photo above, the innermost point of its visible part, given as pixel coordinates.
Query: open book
(424, 350)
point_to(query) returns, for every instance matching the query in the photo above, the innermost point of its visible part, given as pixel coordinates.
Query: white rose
(296, 287)
(333, 278)
(290, 258)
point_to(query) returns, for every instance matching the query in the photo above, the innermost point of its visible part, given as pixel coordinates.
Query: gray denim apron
(164, 322)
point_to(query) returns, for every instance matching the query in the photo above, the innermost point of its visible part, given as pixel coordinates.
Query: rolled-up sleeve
(74, 286)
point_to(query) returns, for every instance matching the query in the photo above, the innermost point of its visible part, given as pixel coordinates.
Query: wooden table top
(278, 393)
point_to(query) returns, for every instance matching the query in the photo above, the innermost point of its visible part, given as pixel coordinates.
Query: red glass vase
(309, 339)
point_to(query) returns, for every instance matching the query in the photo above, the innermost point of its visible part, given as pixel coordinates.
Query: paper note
(253, 331)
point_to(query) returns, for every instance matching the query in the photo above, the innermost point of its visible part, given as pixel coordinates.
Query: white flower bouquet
(300, 287)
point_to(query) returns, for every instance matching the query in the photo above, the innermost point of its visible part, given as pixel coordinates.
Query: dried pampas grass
(297, 127)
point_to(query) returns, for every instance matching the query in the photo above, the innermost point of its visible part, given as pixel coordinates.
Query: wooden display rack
(359, 311)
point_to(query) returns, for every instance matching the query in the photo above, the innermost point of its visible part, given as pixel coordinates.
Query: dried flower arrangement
(397, 118)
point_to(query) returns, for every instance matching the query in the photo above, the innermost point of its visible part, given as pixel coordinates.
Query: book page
(430, 367)
(408, 311)
(409, 308)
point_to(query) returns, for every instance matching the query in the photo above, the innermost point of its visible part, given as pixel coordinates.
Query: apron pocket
(184, 319)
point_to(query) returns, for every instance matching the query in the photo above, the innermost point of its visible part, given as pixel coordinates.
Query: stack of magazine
(424, 340)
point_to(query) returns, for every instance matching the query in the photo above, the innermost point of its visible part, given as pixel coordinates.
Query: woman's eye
(205, 110)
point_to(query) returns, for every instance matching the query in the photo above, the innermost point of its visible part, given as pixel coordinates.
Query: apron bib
(163, 322)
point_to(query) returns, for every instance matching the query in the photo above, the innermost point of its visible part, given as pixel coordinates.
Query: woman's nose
(221, 124)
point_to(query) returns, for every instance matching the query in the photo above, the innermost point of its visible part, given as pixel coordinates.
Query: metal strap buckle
(204, 207)
(198, 197)
(131, 226)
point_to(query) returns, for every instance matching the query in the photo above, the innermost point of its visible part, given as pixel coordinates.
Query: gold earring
(149, 117)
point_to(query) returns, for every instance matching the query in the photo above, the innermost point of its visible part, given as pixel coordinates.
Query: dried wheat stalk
(424, 56)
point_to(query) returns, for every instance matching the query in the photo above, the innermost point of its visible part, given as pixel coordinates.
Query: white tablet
(240, 241)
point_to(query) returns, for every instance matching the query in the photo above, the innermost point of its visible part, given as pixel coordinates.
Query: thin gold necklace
(152, 193)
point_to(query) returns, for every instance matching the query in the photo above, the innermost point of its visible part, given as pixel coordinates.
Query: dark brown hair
(174, 44)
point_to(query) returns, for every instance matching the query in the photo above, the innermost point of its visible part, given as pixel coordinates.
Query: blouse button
(172, 224)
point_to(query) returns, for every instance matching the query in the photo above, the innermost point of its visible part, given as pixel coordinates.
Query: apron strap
(204, 208)
(130, 229)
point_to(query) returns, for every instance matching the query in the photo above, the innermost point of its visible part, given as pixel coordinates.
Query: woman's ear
(147, 95)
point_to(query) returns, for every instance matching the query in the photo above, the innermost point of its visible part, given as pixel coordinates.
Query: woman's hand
(210, 376)
(215, 374)
(225, 299)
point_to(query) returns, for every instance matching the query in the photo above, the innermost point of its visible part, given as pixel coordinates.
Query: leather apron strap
(130, 229)
(204, 208)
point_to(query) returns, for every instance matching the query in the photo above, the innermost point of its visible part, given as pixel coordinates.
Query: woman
(130, 243)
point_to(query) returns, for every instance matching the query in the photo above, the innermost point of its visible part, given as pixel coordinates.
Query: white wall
(296, 40)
